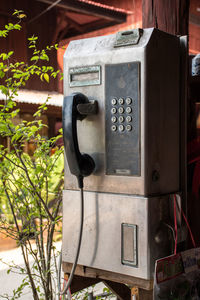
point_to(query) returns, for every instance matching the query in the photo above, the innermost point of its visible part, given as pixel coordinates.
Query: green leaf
(46, 77)
(2, 74)
(35, 57)
(44, 57)
(10, 53)
(4, 89)
(33, 38)
(3, 33)
(16, 12)
(17, 26)
(21, 16)
(4, 56)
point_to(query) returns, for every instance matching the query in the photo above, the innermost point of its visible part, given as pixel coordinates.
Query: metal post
(134, 293)
(90, 296)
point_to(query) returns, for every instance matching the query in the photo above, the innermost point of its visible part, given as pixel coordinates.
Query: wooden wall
(172, 18)
(42, 27)
(194, 27)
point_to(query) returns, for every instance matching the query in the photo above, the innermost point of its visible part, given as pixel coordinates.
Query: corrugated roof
(37, 97)
(105, 6)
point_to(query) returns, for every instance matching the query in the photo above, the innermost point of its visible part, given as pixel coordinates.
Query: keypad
(114, 101)
(114, 128)
(128, 119)
(121, 119)
(128, 100)
(114, 119)
(122, 114)
(128, 127)
(121, 110)
(128, 109)
(121, 101)
(113, 110)
(122, 125)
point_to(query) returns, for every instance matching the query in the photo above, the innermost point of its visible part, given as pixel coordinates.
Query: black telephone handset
(76, 107)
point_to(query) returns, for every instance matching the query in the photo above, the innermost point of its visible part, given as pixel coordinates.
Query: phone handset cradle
(76, 107)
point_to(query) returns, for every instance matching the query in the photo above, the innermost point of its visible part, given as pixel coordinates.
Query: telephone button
(121, 128)
(121, 101)
(113, 110)
(114, 119)
(113, 128)
(114, 101)
(128, 100)
(128, 109)
(121, 110)
(121, 119)
(128, 119)
(128, 127)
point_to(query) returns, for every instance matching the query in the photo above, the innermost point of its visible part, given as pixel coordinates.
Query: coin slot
(84, 76)
(127, 32)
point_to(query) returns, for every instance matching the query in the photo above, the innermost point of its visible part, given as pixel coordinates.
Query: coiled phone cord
(62, 292)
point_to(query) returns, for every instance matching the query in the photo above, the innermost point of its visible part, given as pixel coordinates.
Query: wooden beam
(145, 295)
(120, 290)
(195, 87)
(79, 283)
(86, 8)
(58, 28)
(51, 126)
(106, 275)
(99, 24)
(89, 27)
(76, 25)
(171, 16)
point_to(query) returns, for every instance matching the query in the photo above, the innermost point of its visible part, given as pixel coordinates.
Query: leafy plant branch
(30, 185)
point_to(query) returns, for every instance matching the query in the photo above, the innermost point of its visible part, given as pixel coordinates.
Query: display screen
(81, 76)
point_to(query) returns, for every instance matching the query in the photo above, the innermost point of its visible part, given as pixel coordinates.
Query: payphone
(121, 126)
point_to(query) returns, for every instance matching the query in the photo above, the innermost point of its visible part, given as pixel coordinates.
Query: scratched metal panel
(104, 245)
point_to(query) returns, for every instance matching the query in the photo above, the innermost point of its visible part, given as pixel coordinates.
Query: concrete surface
(11, 281)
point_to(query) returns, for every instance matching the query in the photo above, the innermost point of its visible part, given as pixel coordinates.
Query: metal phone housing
(135, 143)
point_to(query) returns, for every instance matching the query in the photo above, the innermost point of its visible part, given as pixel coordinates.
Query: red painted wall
(194, 27)
(43, 27)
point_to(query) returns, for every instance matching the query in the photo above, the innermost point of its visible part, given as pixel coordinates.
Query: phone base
(123, 234)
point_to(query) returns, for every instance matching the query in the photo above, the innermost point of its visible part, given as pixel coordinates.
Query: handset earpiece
(80, 164)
